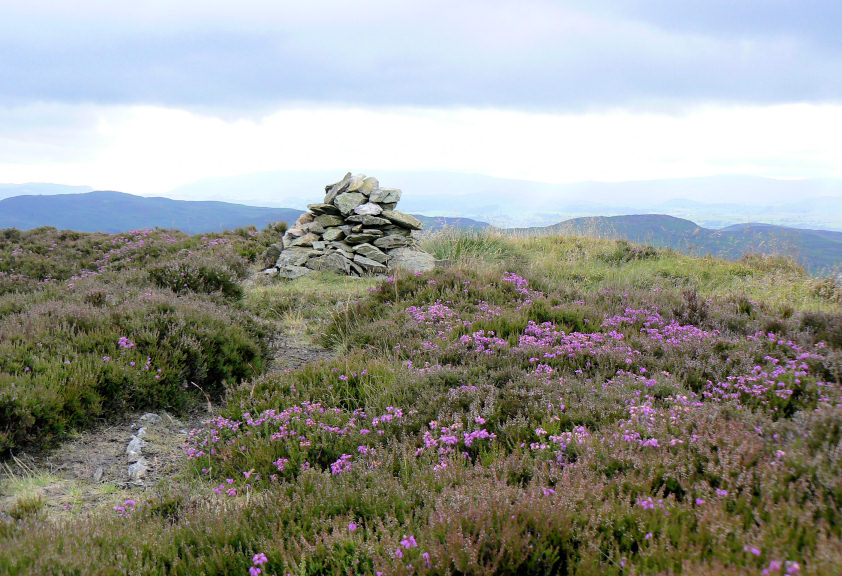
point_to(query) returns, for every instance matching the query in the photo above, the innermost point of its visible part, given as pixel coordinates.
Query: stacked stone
(355, 230)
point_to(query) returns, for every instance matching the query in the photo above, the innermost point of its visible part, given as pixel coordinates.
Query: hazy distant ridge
(118, 212)
(819, 251)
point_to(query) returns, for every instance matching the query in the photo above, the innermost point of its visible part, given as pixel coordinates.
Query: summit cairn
(355, 230)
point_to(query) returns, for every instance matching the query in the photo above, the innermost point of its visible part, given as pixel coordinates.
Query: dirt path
(94, 468)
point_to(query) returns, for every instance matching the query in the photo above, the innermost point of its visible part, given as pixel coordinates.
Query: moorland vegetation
(544, 405)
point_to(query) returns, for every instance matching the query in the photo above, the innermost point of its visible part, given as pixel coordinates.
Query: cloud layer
(537, 55)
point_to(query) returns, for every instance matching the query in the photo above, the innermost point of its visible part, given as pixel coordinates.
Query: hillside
(819, 251)
(545, 405)
(119, 212)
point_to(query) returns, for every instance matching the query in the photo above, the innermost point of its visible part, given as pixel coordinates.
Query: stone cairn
(355, 231)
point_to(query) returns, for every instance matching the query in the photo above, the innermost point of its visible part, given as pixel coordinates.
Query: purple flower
(351, 526)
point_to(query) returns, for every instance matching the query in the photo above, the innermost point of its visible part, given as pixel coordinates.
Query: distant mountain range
(819, 251)
(118, 212)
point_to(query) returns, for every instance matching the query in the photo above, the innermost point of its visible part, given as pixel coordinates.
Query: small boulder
(403, 220)
(368, 264)
(359, 238)
(333, 190)
(328, 220)
(411, 259)
(371, 252)
(392, 241)
(348, 201)
(322, 208)
(332, 234)
(368, 209)
(385, 195)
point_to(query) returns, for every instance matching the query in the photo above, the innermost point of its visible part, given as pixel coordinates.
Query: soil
(91, 469)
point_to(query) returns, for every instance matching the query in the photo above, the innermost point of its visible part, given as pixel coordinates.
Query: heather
(551, 405)
(95, 325)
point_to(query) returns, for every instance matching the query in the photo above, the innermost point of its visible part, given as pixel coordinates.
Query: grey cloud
(533, 55)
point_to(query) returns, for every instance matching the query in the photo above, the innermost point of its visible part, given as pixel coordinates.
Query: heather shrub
(572, 415)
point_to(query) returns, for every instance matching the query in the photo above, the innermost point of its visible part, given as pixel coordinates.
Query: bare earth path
(92, 469)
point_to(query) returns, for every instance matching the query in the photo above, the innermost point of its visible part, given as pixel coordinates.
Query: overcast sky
(146, 96)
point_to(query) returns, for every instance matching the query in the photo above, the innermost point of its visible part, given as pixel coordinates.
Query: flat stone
(270, 272)
(293, 272)
(295, 231)
(151, 418)
(367, 220)
(333, 262)
(359, 238)
(373, 231)
(392, 229)
(369, 208)
(369, 185)
(411, 259)
(403, 220)
(356, 182)
(388, 205)
(328, 220)
(356, 268)
(371, 252)
(319, 245)
(306, 240)
(368, 264)
(392, 241)
(135, 448)
(305, 218)
(138, 469)
(322, 208)
(386, 195)
(348, 201)
(333, 190)
(332, 234)
(295, 257)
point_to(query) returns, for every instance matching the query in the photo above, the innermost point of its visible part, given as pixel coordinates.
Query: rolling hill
(819, 251)
(118, 212)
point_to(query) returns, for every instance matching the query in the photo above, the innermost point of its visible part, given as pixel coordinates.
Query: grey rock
(295, 257)
(403, 220)
(151, 418)
(315, 227)
(138, 470)
(305, 218)
(356, 182)
(386, 195)
(357, 229)
(293, 272)
(135, 449)
(334, 262)
(392, 241)
(306, 240)
(357, 269)
(369, 185)
(368, 264)
(295, 231)
(367, 220)
(270, 255)
(319, 245)
(371, 252)
(388, 205)
(322, 208)
(359, 238)
(328, 220)
(98, 474)
(271, 272)
(369, 208)
(332, 234)
(411, 259)
(333, 190)
(373, 232)
(348, 201)
(141, 432)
